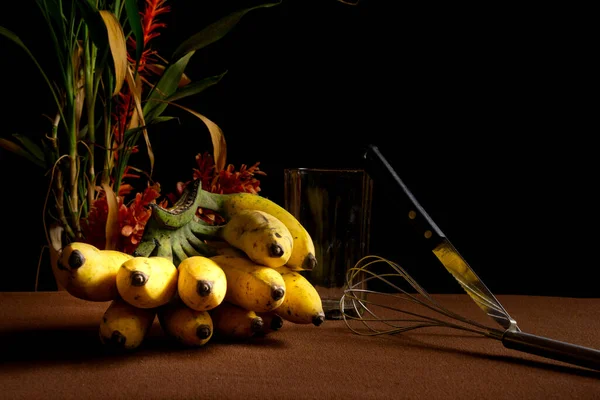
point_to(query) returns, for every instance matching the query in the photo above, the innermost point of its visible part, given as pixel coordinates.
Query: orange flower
(132, 219)
(227, 180)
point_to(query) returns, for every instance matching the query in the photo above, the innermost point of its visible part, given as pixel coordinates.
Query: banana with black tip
(123, 326)
(231, 321)
(303, 249)
(147, 282)
(202, 284)
(89, 273)
(272, 322)
(189, 327)
(265, 239)
(302, 303)
(252, 286)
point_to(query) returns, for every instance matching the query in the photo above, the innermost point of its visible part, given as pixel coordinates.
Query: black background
(485, 113)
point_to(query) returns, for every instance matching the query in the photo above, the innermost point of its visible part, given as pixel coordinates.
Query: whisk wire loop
(392, 319)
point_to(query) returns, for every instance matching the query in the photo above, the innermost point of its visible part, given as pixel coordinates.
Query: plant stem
(90, 99)
(58, 182)
(72, 134)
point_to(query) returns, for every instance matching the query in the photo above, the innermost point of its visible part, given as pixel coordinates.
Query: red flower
(224, 182)
(227, 180)
(132, 219)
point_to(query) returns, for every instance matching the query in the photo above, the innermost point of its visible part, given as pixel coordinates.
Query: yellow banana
(271, 322)
(201, 284)
(265, 239)
(187, 326)
(147, 282)
(89, 273)
(223, 248)
(302, 303)
(123, 326)
(235, 322)
(252, 286)
(303, 249)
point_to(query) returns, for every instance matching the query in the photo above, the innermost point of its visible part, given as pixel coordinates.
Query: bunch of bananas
(235, 281)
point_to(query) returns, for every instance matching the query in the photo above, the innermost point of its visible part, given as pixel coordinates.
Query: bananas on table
(238, 280)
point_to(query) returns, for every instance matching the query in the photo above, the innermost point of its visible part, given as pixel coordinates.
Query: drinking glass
(334, 205)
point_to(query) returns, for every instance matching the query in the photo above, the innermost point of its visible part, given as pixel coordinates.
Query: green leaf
(95, 23)
(33, 148)
(20, 151)
(162, 119)
(133, 17)
(195, 87)
(99, 35)
(214, 31)
(166, 86)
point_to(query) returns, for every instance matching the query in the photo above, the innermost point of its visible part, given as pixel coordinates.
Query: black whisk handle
(550, 348)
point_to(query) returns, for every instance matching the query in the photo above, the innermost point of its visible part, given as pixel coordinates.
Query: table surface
(49, 349)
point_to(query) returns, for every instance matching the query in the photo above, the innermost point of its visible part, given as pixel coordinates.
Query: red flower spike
(132, 220)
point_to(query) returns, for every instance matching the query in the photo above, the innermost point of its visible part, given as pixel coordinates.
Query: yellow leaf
(112, 220)
(135, 87)
(216, 134)
(118, 47)
(137, 118)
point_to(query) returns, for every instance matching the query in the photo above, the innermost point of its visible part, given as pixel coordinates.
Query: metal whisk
(407, 307)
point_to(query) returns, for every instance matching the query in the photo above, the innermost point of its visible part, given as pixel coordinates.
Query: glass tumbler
(334, 205)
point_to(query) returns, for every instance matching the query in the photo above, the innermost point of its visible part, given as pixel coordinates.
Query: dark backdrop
(481, 111)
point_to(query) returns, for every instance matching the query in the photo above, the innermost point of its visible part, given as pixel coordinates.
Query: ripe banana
(235, 322)
(187, 326)
(89, 273)
(271, 322)
(302, 303)
(202, 284)
(265, 239)
(224, 248)
(123, 326)
(147, 282)
(303, 249)
(252, 286)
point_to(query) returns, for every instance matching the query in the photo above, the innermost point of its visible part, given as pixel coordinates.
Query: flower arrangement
(111, 88)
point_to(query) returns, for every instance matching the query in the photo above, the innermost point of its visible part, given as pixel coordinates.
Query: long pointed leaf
(95, 23)
(112, 220)
(216, 135)
(159, 69)
(133, 17)
(31, 147)
(214, 31)
(136, 90)
(20, 151)
(118, 48)
(166, 86)
(196, 87)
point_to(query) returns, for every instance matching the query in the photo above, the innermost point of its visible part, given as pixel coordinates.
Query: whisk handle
(550, 348)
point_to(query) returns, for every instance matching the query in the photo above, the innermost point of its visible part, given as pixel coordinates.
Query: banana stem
(212, 201)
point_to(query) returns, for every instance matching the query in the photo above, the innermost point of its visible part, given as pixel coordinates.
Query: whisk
(369, 312)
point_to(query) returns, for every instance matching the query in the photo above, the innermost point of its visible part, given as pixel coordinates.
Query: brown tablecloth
(49, 349)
